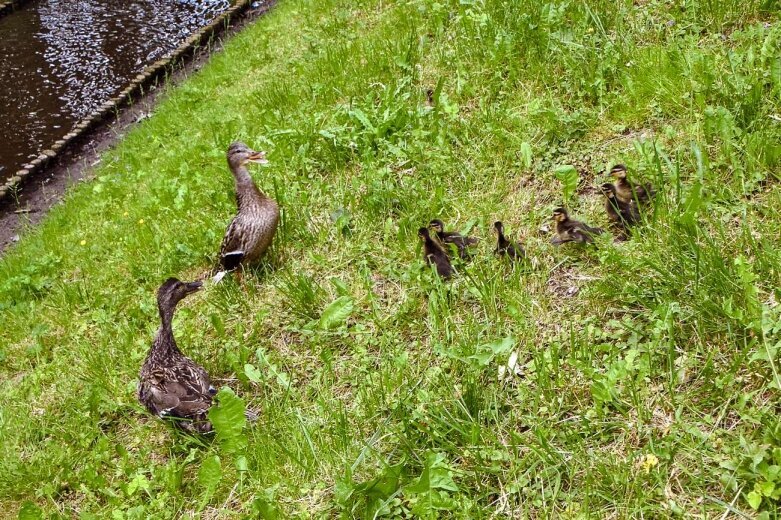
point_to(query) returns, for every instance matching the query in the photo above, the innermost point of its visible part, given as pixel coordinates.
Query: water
(61, 59)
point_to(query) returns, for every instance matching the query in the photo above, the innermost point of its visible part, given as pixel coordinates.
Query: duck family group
(624, 203)
(173, 386)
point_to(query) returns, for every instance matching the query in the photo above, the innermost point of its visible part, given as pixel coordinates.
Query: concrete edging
(9, 6)
(147, 77)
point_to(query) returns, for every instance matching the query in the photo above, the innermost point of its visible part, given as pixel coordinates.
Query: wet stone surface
(61, 60)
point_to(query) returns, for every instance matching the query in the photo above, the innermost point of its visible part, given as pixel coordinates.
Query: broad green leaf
(282, 378)
(336, 313)
(210, 472)
(227, 417)
(252, 373)
(568, 176)
(30, 511)
(754, 500)
(765, 488)
(265, 506)
(482, 357)
(139, 482)
(526, 155)
(430, 490)
(486, 353)
(361, 116)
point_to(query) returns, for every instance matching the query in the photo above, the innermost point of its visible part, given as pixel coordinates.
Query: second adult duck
(252, 229)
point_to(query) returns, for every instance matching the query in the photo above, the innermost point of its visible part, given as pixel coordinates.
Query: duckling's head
(618, 171)
(437, 225)
(497, 228)
(560, 215)
(608, 190)
(173, 291)
(423, 234)
(239, 154)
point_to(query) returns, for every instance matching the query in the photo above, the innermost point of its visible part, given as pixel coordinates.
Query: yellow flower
(83, 242)
(649, 462)
(140, 221)
(124, 214)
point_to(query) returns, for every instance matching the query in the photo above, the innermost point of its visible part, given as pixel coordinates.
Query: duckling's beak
(193, 287)
(258, 157)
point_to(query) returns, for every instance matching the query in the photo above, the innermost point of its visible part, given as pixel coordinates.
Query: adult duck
(171, 385)
(252, 230)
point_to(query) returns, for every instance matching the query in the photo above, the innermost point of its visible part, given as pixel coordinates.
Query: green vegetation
(647, 374)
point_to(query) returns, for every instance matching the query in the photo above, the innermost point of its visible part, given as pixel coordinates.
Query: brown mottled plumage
(252, 229)
(506, 247)
(461, 242)
(627, 192)
(570, 230)
(622, 215)
(433, 253)
(170, 384)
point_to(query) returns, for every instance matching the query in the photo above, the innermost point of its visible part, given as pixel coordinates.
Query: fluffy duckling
(622, 215)
(570, 230)
(171, 385)
(461, 242)
(628, 192)
(435, 254)
(505, 246)
(252, 229)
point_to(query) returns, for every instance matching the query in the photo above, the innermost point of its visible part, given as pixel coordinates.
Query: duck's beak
(258, 157)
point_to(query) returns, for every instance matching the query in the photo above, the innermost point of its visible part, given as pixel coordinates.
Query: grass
(647, 373)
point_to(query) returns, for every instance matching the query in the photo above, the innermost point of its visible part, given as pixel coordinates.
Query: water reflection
(61, 59)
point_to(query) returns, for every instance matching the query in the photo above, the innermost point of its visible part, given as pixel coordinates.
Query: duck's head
(239, 154)
(173, 291)
(560, 215)
(608, 190)
(618, 171)
(423, 234)
(497, 228)
(437, 225)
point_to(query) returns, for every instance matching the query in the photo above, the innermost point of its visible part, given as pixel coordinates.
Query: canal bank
(68, 67)
(26, 202)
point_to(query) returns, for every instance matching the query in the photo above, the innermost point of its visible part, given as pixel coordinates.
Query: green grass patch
(639, 379)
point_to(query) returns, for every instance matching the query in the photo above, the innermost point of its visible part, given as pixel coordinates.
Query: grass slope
(647, 375)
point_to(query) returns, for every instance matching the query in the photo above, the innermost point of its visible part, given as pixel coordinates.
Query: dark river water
(61, 59)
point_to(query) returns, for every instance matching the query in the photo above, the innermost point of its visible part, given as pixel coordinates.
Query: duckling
(461, 242)
(627, 192)
(570, 230)
(252, 229)
(435, 254)
(171, 384)
(505, 246)
(622, 215)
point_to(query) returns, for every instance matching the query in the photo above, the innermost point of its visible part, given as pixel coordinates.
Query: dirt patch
(30, 204)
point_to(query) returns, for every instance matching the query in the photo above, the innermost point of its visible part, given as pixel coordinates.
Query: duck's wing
(589, 230)
(451, 237)
(182, 390)
(559, 239)
(232, 248)
(516, 251)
